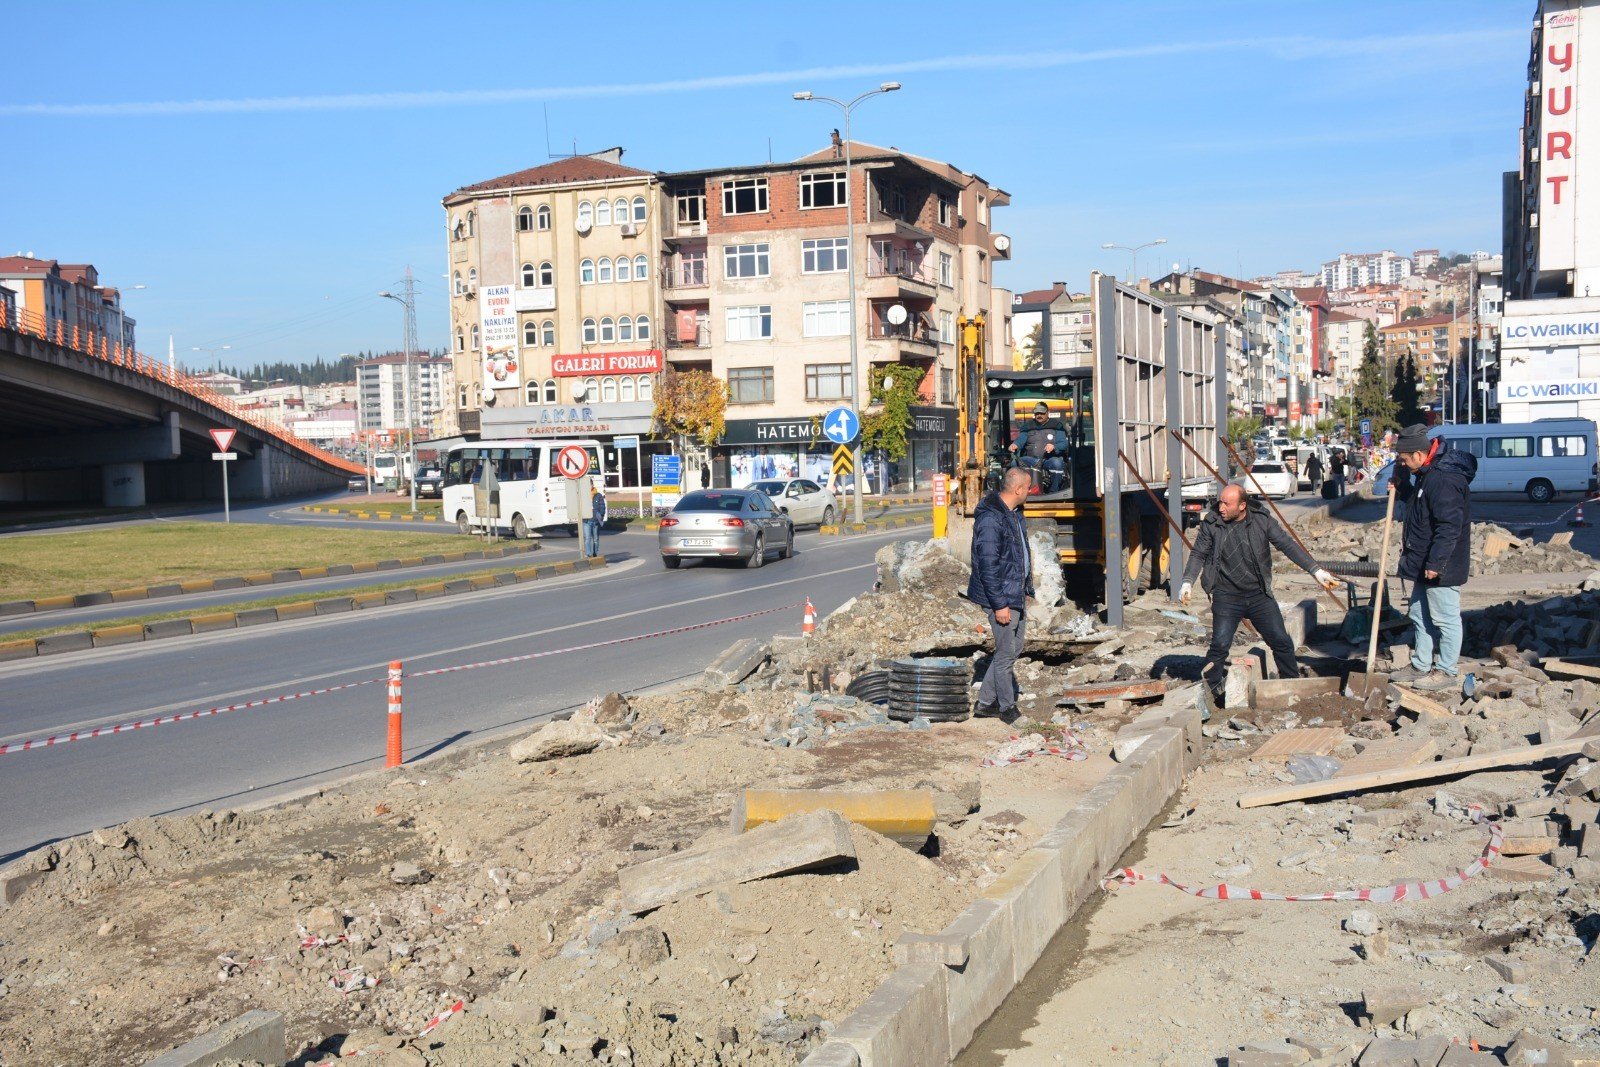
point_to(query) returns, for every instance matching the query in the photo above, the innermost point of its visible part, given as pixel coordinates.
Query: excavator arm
(972, 405)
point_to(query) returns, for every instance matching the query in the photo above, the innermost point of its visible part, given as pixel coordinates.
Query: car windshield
(708, 501)
(1267, 468)
(769, 488)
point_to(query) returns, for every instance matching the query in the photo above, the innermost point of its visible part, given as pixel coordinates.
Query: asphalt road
(247, 756)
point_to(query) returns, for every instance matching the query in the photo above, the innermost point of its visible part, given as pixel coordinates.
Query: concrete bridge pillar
(122, 485)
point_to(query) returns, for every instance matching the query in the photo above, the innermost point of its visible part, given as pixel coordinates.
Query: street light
(850, 242)
(408, 302)
(1134, 252)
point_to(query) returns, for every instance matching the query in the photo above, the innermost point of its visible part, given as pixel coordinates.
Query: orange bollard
(394, 757)
(808, 622)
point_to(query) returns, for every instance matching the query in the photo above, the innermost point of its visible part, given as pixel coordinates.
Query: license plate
(696, 542)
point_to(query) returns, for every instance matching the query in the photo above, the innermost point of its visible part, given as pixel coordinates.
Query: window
(530, 333)
(550, 391)
(585, 215)
(547, 275)
(641, 327)
(461, 341)
(547, 333)
(529, 276)
(746, 261)
(530, 393)
(472, 278)
(605, 269)
(1473, 445)
(589, 334)
(896, 201)
(591, 389)
(641, 267)
(608, 390)
(524, 219)
(744, 196)
(621, 208)
(586, 272)
(472, 223)
(626, 395)
(947, 328)
(750, 385)
(608, 330)
(474, 337)
(824, 189)
(944, 211)
(544, 216)
(826, 318)
(624, 269)
(828, 381)
(1575, 445)
(1508, 448)
(691, 208)
(458, 229)
(752, 322)
(947, 385)
(983, 267)
(455, 283)
(602, 213)
(647, 387)
(983, 210)
(947, 269)
(826, 255)
(625, 329)
(639, 211)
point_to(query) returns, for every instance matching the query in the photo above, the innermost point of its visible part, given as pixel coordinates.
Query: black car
(430, 482)
(357, 483)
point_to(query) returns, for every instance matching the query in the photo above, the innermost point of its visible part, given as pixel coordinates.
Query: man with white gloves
(1235, 548)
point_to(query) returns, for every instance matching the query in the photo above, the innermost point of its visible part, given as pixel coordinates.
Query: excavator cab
(1069, 396)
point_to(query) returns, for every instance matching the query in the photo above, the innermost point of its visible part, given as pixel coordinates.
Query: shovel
(1359, 684)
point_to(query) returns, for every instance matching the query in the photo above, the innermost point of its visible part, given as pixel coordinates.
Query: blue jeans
(1053, 465)
(591, 539)
(1436, 621)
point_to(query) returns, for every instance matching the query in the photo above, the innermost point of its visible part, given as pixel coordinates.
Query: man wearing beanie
(1042, 445)
(1435, 552)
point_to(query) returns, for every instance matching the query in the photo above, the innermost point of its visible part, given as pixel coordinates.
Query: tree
(1371, 399)
(894, 390)
(1033, 348)
(1412, 312)
(1408, 408)
(1243, 427)
(691, 408)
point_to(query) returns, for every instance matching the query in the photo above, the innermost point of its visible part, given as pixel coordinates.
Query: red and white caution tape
(164, 720)
(1019, 749)
(433, 1024)
(1392, 894)
(351, 980)
(311, 940)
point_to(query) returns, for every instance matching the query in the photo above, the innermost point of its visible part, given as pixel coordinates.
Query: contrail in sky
(1293, 47)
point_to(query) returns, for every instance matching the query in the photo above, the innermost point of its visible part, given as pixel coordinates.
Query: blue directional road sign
(1366, 426)
(666, 470)
(841, 426)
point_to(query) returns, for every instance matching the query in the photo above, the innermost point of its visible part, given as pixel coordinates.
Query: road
(251, 755)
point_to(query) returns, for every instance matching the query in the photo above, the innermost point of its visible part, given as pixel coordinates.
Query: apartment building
(1431, 339)
(381, 393)
(756, 285)
(1343, 347)
(1424, 259)
(1064, 337)
(70, 293)
(1352, 270)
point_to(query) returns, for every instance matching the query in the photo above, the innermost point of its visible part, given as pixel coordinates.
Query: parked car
(430, 482)
(724, 524)
(1274, 478)
(357, 483)
(802, 499)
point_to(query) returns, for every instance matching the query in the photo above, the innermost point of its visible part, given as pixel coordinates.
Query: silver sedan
(725, 524)
(803, 500)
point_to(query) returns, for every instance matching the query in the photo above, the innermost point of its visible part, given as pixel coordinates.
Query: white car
(1274, 478)
(803, 500)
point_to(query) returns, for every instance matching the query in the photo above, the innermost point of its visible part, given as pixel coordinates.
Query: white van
(1539, 458)
(533, 492)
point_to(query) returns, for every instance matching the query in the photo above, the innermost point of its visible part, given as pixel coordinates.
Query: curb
(947, 984)
(392, 516)
(209, 585)
(845, 529)
(130, 633)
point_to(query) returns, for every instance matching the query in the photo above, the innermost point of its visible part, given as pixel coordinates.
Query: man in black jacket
(1235, 548)
(1002, 580)
(1435, 552)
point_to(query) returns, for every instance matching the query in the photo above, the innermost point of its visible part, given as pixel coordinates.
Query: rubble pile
(1561, 625)
(1495, 549)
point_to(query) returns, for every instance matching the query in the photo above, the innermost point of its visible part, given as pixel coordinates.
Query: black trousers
(1227, 611)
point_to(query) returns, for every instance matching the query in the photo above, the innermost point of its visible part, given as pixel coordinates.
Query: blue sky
(265, 169)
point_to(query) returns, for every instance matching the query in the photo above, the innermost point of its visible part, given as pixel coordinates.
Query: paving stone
(1392, 1052)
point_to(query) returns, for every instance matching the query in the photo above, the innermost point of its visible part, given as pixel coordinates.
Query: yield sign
(572, 461)
(223, 438)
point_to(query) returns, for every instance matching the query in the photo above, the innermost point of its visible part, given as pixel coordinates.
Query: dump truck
(1155, 368)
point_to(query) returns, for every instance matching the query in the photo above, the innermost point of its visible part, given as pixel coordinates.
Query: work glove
(1326, 580)
(1185, 593)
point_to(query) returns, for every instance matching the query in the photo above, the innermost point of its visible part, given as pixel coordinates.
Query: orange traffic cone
(1577, 520)
(808, 622)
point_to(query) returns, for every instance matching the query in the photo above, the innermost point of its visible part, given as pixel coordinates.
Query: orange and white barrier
(393, 758)
(808, 621)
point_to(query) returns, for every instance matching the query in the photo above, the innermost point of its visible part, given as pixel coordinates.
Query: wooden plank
(1305, 741)
(1386, 755)
(1414, 701)
(1483, 761)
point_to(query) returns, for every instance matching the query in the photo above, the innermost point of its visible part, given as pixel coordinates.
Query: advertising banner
(499, 326)
(582, 364)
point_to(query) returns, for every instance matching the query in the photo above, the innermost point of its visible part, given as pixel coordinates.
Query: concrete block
(339, 570)
(387, 565)
(334, 605)
(76, 641)
(368, 600)
(257, 1036)
(505, 578)
(228, 583)
(1299, 618)
(1384, 1006)
(903, 1022)
(286, 576)
(904, 815)
(137, 592)
(300, 609)
(832, 1054)
(400, 596)
(737, 662)
(261, 578)
(975, 987)
(24, 649)
(1276, 694)
(170, 589)
(798, 843)
(257, 616)
(168, 628)
(1030, 890)
(1239, 689)
(430, 591)
(1404, 1052)
(1462, 1056)
(1268, 1054)
(311, 572)
(54, 603)
(14, 883)
(222, 620)
(91, 600)
(16, 607)
(474, 553)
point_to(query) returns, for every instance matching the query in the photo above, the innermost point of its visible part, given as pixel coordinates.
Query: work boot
(1408, 675)
(1436, 681)
(987, 711)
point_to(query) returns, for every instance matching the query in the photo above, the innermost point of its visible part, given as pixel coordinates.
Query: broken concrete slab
(1280, 693)
(558, 740)
(798, 843)
(1384, 1006)
(738, 661)
(255, 1036)
(1244, 674)
(903, 815)
(1404, 1052)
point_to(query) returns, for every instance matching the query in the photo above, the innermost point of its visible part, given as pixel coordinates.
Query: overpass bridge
(85, 421)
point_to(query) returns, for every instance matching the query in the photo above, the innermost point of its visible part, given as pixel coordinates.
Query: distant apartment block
(70, 293)
(381, 392)
(1354, 270)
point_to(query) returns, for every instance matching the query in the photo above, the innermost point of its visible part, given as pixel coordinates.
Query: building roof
(27, 265)
(1426, 320)
(1040, 296)
(399, 357)
(1341, 316)
(1312, 294)
(571, 170)
(861, 150)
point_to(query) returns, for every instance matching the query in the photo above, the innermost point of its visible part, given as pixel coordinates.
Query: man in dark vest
(1041, 445)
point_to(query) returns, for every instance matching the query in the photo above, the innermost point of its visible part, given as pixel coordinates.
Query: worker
(1002, 581)
(1040, 446)
(1235, 549)
(1435, 552)
(1145, 531)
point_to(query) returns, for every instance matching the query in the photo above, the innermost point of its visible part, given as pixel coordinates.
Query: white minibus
(533, 492)
(1540, 458)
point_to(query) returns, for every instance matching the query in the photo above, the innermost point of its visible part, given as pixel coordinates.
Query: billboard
(641, 361)
(1558, 128)
(499, 323)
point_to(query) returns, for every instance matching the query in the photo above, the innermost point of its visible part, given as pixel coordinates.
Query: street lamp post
(408, 301)
(1133, 251)
(850, 241)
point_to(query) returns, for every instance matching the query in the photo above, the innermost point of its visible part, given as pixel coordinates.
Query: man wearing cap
(1435, 552)
(1040, 446)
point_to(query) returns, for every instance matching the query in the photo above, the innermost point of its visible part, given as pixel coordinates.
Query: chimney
(838, 145)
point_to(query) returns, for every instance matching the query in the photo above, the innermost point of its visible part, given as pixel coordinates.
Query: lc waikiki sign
(1550, 331)
(1558, 123)
(1530, 392)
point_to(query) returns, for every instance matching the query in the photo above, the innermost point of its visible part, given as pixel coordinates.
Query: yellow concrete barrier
(265, 578)
(364, 568)
(18, 649)
(431, 589)
(52, 603)
(411, 561)
(118, 635)
(302, 609)
(481, 581)
(906, 815)
(137, 592)
(217, 620)
(368, 600)
(197, 585)
(313, 572)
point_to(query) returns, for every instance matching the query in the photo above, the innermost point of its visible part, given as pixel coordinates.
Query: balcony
(886, 225)
(898, 274)
(694, 276)
(912, 338)
(674, 230)
(701, 339)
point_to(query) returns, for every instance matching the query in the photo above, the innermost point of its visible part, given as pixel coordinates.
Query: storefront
(602, 422)
(756, 449)
(932, 449)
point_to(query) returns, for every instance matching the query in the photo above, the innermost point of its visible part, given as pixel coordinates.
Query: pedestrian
(1234, 547)
(596, 519)
(1314, 472)
(1001, 583)
(705, 475)
(1336, 471)
(1040, 445)
(1435, 552)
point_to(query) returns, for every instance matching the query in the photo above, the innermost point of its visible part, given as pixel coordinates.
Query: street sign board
(1366, 426)
(625, 442)
(223, 438)
(572, 461)
(941, 491)
(666, 471)
(841, 425)
(842, 463)
(225, 456)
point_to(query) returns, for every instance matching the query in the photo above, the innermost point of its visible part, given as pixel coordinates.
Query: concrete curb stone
(256, 1036)
(117, 635)
(168, 628)
(257, 616)
(76, 641)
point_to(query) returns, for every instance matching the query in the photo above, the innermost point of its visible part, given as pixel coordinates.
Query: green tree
(894, 390)
(691, 408)
(1408, 407)
(1371, 399)
(1243, 427)
(1412, 312)
(1033, 348)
